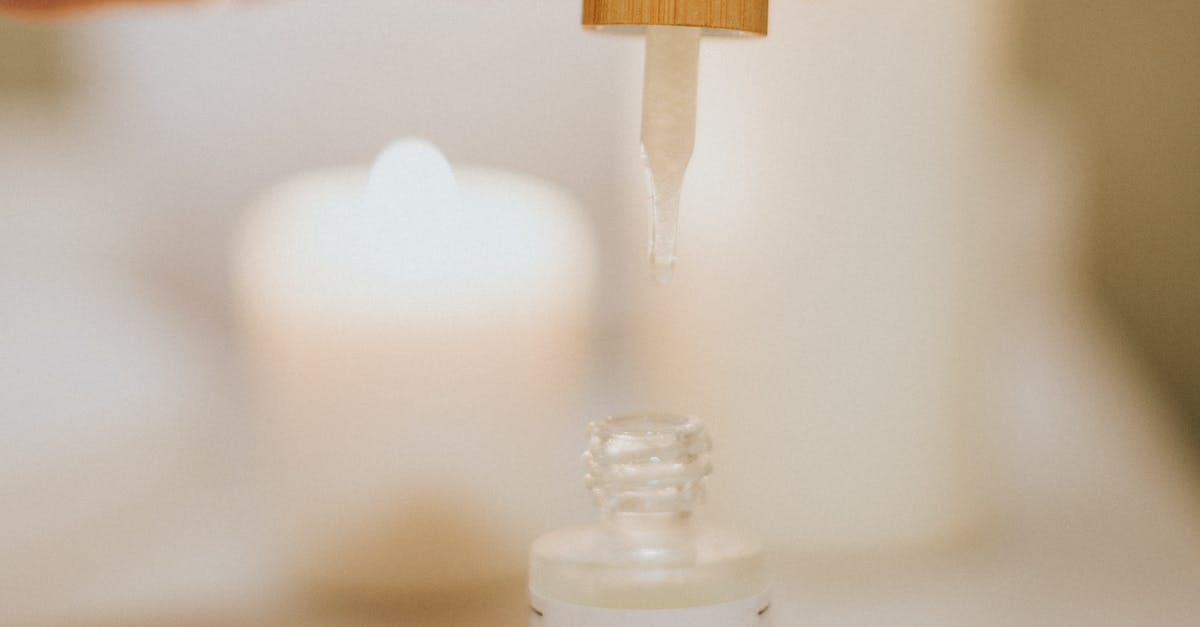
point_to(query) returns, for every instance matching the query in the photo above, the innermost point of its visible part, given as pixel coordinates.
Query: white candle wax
(823, 302)
(419, 338)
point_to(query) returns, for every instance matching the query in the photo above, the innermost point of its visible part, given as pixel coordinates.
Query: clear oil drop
(668, 133)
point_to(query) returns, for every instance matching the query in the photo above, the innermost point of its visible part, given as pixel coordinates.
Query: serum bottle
(648, 563)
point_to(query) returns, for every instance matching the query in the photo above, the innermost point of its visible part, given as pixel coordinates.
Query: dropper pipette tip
(663, 268)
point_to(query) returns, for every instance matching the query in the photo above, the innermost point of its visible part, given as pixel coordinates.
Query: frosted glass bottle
(648, 563)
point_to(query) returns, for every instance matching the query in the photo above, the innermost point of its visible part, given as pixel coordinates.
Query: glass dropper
(668, 132)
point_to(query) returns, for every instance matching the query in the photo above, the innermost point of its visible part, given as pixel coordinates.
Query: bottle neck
(647, 472)
(648, 523)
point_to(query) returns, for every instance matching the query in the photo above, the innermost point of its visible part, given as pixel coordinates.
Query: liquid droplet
(663, 269)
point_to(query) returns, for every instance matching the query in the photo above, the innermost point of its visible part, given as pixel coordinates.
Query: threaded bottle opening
(649, 463)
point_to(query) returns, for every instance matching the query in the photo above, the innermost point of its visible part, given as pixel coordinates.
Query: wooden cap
(748, 16)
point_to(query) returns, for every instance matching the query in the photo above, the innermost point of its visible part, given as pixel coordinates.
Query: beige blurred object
(824, 314)
(748, 16)
(55, 8)
(30, 59)
(414, 406)
(1139, 113)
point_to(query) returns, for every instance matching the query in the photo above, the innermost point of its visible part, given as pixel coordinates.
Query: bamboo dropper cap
(748, 16)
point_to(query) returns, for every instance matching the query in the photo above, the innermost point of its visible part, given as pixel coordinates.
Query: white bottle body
(704, 574)
(748, 612)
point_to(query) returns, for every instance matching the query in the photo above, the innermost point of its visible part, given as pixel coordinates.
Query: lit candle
(419, 336)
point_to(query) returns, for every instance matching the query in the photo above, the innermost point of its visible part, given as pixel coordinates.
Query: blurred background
(162, 374)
